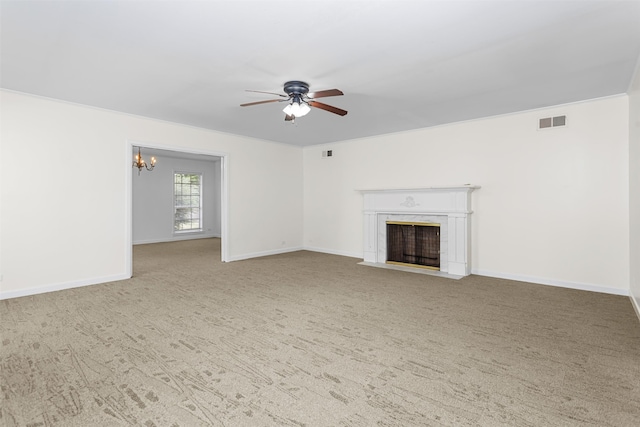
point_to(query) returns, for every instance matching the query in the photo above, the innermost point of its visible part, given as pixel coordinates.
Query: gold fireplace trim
(420, 224)
(406, 264)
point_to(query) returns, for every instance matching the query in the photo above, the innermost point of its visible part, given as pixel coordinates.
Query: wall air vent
(552, 122)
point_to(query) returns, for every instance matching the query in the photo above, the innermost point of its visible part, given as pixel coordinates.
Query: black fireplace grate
(414, 244)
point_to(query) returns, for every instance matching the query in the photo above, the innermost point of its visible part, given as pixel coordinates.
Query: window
(187, 201)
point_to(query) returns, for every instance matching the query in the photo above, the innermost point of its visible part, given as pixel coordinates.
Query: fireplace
(415, 244)
(448, 209)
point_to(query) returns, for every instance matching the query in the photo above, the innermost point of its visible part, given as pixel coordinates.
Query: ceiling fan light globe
(288, 110)
(304, 109)
(296, 110)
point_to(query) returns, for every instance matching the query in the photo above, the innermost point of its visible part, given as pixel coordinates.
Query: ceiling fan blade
(288, 118)
(323, 93)
(329, 108)
(261, 102)
(270, 93)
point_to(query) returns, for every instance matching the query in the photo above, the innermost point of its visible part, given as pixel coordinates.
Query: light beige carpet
(308, 339)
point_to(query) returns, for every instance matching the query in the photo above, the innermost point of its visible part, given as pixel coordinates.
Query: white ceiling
(401, 64)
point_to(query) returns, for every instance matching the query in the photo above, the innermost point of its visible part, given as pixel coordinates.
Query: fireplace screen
(413, 243)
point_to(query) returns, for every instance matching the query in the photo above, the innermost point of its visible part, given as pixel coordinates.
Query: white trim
(442, 188)
(552, 282)
(128, 210)
(516, 277)
(62, 286)
(295, 249)
(636, 70)
(521, 278)
(224, 209)
(224, 195)
(334, 252)
(636, 305)
(201, 195)
(156, 119)
(264, 253)
(176, 239)
(477, 119)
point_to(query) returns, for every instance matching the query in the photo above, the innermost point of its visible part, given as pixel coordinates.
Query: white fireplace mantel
(448, 206)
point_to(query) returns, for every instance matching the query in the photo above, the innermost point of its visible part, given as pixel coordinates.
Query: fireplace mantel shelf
(468, 187)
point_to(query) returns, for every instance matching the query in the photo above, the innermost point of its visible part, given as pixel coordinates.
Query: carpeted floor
(309, 339)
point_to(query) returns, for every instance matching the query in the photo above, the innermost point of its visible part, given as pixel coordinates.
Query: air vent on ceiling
(552, 122)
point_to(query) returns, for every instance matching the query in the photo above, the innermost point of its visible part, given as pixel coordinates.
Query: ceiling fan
(300, 100)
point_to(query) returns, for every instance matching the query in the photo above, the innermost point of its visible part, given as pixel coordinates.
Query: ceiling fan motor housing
(296, 87)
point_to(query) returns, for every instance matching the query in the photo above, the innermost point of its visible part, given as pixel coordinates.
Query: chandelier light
(140, 163)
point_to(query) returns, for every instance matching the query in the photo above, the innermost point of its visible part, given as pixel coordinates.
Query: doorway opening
(153, 202)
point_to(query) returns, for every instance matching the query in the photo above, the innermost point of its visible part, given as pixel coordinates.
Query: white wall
(634, 189)
(553, 207)
(153, 199)
(64, 214)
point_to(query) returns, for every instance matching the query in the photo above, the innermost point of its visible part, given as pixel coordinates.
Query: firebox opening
(415, 244)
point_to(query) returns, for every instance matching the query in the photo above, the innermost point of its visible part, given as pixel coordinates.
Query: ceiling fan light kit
(300, 100)
(297, 108)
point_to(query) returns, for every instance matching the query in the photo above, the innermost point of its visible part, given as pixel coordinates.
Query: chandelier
(140, 164)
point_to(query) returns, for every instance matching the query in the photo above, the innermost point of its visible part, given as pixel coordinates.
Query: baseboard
(636, 305)
(283, 251)
(264, 253)
(553, 282)
(176, 239)
(334, 252)
(61, 286)
(530, 279)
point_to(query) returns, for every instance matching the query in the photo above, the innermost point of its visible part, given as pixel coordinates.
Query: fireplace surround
(449, 207)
